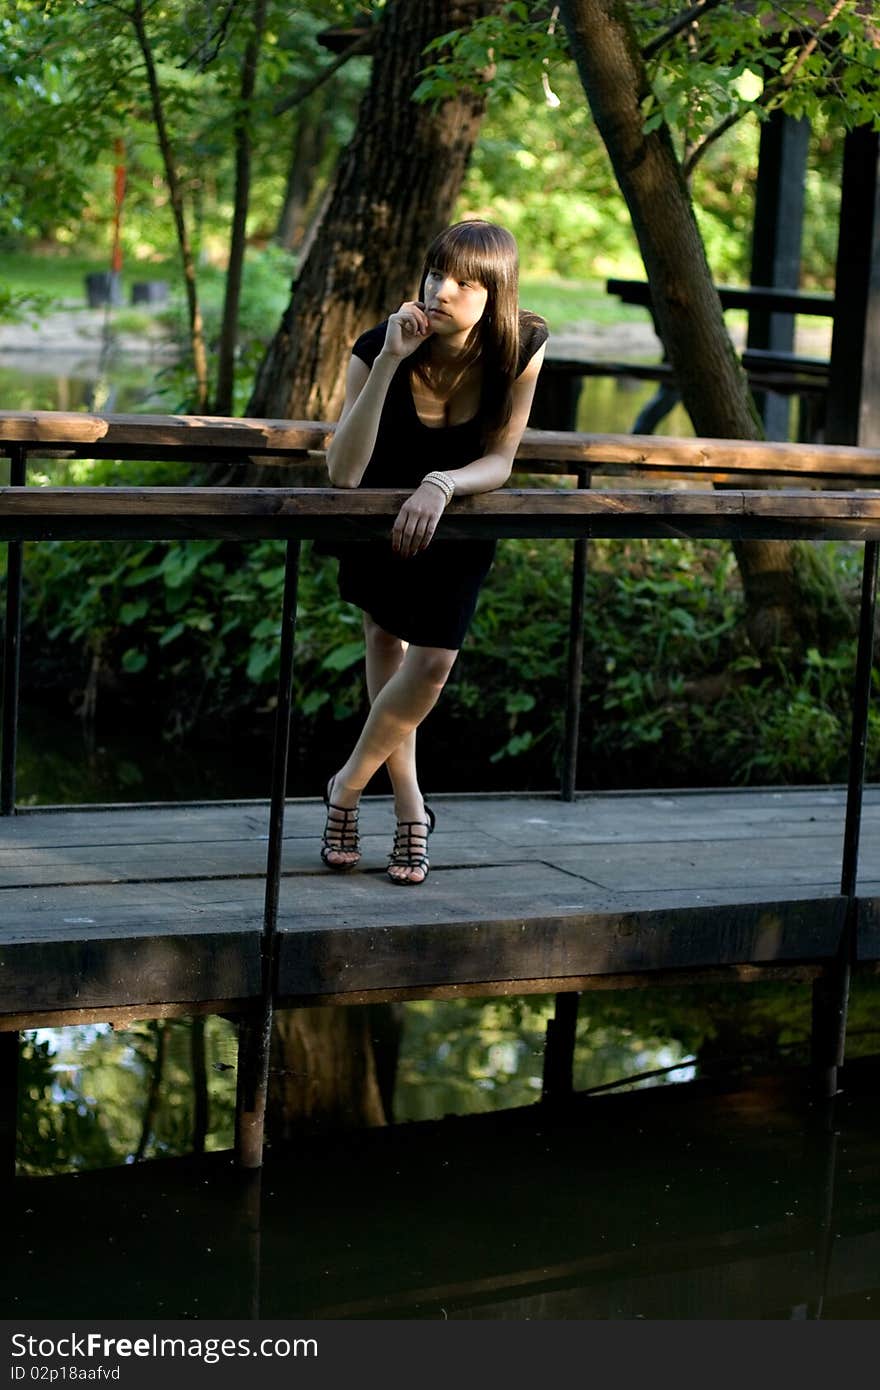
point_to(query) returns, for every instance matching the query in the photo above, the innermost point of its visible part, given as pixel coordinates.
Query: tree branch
(217, 36)
(682, 21)
(359, 46)
(771, 90)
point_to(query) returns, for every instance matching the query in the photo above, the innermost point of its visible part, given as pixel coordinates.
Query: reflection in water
(93, 1096)
(689, 1202)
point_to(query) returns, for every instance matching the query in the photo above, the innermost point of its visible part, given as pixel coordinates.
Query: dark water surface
(691, 1202)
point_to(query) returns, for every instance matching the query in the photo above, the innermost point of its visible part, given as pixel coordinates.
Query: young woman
(437, 398)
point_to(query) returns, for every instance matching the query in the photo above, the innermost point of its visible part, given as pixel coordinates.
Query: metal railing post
(574, 676)
(12, 647)
(255, 1030)
(831, 991)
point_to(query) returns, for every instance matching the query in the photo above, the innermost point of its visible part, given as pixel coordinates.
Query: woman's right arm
(366, 389)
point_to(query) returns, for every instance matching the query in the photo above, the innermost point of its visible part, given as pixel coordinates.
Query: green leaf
(130, 612)
(171, 633)
(519, 702)
(313, 702)
(133, 661)
(260, 661)
(341, 658)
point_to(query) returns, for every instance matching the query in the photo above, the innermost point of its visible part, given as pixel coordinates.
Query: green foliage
(84, 1093)
(265, 292)
(75, 81)
(672, 694)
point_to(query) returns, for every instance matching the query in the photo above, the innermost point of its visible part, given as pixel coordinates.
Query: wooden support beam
(776, 245)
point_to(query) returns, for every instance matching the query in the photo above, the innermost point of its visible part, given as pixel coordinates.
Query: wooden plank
(58, 513)
(124, 1016)
(499, 989)
(868, 923)
(104, 971)
(180, 431)
(780, 863)
(559, 946)
(782, 301)
(641, 452)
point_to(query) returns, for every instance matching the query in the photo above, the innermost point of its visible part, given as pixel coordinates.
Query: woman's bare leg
(404, 684)
(385, 654)
(397, 711)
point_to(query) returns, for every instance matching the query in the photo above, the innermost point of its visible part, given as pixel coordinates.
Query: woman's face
(453, 306)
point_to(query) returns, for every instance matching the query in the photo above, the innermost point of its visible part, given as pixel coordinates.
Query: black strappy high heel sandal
(410, 849)
(342, 823)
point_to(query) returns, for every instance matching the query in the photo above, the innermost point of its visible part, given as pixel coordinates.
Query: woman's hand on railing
(417, 520)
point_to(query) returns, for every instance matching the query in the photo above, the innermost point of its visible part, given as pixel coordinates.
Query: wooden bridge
(140, 911)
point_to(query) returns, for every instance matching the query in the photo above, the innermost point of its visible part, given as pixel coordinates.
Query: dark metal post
(255, 1030)
(831, 992)
(559, 1048)
(12, 647)
(859, 733)
(574, 677)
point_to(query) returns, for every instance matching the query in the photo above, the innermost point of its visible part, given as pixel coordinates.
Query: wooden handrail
(31, 513)
(769, 297)
(541, 451)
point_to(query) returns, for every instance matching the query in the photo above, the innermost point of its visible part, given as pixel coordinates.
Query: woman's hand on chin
(417, 520)
(406, 330)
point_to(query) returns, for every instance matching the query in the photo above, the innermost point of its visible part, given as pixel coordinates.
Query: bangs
(474, 250)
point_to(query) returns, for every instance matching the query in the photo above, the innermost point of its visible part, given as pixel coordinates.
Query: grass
(566, 303)
(63, 276)
(561, 301)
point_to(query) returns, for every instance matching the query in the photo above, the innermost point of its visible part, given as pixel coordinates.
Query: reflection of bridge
(166, 910)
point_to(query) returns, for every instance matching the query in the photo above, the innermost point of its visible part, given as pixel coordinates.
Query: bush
(672, 694)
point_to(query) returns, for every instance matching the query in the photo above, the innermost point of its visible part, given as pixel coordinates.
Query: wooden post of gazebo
(776, 246)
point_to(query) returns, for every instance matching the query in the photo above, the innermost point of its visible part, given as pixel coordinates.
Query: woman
(437, 398)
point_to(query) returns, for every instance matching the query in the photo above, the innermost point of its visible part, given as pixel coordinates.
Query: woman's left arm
(418, 517)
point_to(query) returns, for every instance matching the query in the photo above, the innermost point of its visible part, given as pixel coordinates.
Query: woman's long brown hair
(485, 253)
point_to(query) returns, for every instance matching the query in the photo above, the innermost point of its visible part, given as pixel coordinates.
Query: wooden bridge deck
(158, 909)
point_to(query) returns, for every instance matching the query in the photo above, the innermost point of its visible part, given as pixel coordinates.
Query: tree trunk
(686, 306)
(310, 143)
(394, 190)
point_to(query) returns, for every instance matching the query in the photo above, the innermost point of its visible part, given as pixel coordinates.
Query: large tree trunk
(686, 306)
(395, 188)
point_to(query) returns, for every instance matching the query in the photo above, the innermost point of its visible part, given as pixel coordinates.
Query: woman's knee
(432, 664)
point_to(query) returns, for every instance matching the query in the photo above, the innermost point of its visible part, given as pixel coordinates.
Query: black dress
(427, 599)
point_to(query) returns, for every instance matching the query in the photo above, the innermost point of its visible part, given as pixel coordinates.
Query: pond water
(703, 1201)
(711, 1187)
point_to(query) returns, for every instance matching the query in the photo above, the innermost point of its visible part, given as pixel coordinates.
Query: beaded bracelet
(442, 481)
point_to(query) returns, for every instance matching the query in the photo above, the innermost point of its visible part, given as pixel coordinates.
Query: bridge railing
(836, 503)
